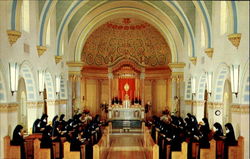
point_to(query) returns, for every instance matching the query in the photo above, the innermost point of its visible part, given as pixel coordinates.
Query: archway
(227, 101)
(22, 100)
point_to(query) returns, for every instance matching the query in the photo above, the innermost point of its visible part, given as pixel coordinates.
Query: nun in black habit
(229, 139)
(17, 139)
(218, 131)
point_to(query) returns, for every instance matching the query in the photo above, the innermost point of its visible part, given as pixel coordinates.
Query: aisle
(126, 147)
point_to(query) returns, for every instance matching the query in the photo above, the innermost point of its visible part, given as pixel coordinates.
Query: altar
(122, 117)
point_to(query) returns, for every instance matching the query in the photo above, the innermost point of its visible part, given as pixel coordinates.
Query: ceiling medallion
(126, 20)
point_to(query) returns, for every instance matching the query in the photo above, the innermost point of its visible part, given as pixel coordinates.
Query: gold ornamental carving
(193, 60)
(13, 36)
(235, 39)
(177, 76)
(8, 107)
(242, 109)
(41, 50)
(58, 59)
(209, 52)
(74, 64)
(177, 65)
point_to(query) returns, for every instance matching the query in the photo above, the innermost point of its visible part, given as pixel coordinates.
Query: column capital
(13, 36)
(74, 75)
(142, 75)
(177, 76)
(110, 75)
(235, 39)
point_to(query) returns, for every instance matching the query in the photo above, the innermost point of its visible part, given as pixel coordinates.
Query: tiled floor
(126, 147)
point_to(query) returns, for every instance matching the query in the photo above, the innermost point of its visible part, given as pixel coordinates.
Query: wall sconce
(14, 74)
(193, 85)
(41, 76)
(209, 76)
(58, 80)
(235, 79)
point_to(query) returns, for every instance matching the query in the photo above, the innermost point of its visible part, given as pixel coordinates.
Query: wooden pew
(11, 152)
(40, 153)
(56, 150)
(195, 150)
(100, 149)
(83, 152)
(237, 151)
(151, 148)
(209, 153)
(182, 154)
(70, 154)
(29, 144)
(219, 149)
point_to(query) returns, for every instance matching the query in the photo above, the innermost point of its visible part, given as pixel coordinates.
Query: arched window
(26, 16)
(48, 34)
(223, 17)
(202, 36)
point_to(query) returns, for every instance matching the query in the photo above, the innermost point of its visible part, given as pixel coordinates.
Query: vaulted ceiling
(77, 19)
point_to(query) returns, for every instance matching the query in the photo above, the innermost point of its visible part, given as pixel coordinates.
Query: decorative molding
(41, 50)
(63, 101)
(13, 36)
(199, 103)
(74, 64)
(8, 107)
(235, 39)
(193, 60)
(242, 109)
(177, 65)
(188, 102)
(58, 59)
(209, 52)
(52, 102)
(177, 75)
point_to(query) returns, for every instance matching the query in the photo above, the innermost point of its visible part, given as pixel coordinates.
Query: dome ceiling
(126, 38)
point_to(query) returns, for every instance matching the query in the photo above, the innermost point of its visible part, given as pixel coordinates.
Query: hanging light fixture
(14, 74)
(234, 71)
(58, 79)
(41, 76)
(209, 76)
(193, 84)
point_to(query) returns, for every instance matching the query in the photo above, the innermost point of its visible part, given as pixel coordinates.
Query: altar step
(126, 131)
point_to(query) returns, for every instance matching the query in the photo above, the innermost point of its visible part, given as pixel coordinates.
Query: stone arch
(221, 77)
(63, 87)
(26, 73)
(188, 93)
(3, 93)
(245, 89)
(201, 87)
(49, 86)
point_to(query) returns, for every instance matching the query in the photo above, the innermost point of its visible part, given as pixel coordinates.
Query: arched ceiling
(126, 38)
(180, 14)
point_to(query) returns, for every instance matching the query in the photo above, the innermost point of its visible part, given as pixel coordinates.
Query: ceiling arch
(90, 21)
(114, 13)
(49, 5)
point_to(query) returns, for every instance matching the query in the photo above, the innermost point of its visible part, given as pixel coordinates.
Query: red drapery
(131, 91)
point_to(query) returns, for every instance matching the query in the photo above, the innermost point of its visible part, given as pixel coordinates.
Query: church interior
(124, 79)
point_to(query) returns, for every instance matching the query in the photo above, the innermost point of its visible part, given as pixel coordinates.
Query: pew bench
(182, 154)
(209, 153)
(11, 152)
(70, 154)
(237, 151)
(40, 153)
